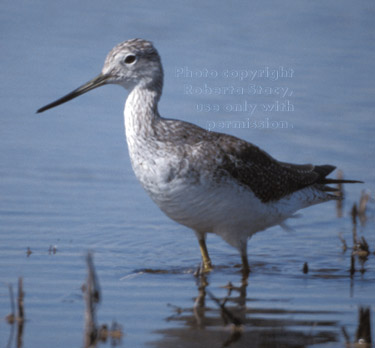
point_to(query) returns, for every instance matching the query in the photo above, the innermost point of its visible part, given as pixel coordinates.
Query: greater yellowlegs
(208, 181)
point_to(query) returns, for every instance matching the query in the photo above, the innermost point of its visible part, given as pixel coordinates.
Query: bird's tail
(323, 181)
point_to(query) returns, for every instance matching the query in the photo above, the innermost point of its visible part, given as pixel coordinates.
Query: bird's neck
(141, 115)
(141, 111)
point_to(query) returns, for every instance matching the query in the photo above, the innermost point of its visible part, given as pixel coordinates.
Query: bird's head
(132, 63)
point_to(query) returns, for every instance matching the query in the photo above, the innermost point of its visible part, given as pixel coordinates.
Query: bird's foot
(203, 268)
(206, 267)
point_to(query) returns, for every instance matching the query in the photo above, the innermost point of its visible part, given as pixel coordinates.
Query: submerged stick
(92, 298)
(363, 334)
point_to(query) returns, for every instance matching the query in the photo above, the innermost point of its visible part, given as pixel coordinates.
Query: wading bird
(208, 181)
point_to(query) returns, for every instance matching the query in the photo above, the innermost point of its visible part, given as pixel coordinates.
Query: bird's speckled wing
(250, 166)
(269, 179)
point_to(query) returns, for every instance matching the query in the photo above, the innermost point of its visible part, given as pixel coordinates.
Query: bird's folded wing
(269, 179)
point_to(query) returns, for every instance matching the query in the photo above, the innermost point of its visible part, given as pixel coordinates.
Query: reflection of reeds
(360, 247)
(228, 318)
(362, 207)
(360, 211)
(363, 336)
(12, 318)
(92, 298)
(93, 332)
(249, 325)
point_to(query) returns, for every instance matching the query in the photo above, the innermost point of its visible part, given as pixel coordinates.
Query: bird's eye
(130, 59)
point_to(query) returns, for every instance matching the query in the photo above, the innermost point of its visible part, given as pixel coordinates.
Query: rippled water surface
(67, 186)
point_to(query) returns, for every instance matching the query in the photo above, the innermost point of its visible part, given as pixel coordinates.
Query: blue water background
(66, 179)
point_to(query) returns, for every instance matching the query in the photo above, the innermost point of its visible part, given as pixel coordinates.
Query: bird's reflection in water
(229, 321)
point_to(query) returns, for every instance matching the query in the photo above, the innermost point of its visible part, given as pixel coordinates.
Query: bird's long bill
(98, 81)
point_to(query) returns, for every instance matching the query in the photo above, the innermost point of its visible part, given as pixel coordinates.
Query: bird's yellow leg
(207, 266)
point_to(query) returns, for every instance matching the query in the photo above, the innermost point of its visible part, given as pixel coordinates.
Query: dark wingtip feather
(327, 169)
(340, 181)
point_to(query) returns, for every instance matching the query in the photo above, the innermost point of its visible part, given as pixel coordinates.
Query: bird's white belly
(224, 208)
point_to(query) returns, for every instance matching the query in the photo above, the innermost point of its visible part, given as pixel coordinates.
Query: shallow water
(66, 181)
